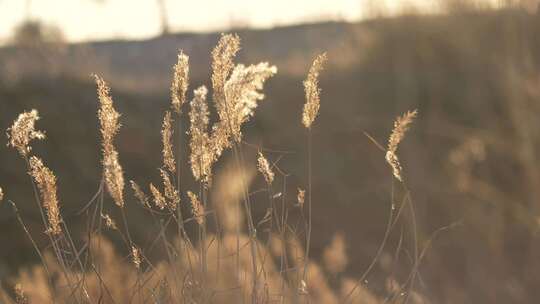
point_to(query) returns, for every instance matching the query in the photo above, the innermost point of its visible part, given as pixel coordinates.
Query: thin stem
(389, 225)
(36, 248)
(56, 248)
(251, 228)
(309, 224)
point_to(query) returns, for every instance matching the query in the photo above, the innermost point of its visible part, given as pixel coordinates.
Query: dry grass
(232, 258)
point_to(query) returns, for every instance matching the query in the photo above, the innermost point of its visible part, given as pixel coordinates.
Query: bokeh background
(471, 68)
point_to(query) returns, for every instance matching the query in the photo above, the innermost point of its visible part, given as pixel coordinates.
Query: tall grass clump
(220, 251)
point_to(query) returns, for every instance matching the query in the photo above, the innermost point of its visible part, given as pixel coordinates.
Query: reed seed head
(23, 131)
(20, 296)
(180, 82)
(197, 208)
(235, 95)
(264, 168)
(108, 116)
(109, 222)
(303, 288)
(166, 140)
(139, 194)
(202, 155)
(301, 197)
(109, 127)
(312, 91)
(159, 199)
(136, 257)
(46, 183)
(222, 64)
(242, 92)
(173, 198)
(114, 177)
(401, 125)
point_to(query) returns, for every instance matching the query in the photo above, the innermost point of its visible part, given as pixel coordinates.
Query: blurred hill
(145, 65)
(470, 158)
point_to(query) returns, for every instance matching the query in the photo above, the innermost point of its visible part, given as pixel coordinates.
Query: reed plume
(46, 183)
(309, 113)
(166, 139)
(202, 156)
(222, 65)
(139, 194)
(1, 194)
(264, 169)
(109, 222)
(136, 257)
(312, 91)
(114, 178)
(23, 131)
(197, 208)
(401, 125)
(180, 82)
(109, 127)
(235, 96)
(173, 198)
(301, 197)
(20, 296)
(159, 199)
(241, 97)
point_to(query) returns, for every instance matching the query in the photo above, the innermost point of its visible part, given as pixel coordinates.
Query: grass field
(391, 161)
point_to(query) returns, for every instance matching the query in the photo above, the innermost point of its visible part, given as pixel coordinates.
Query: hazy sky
(101, 19)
